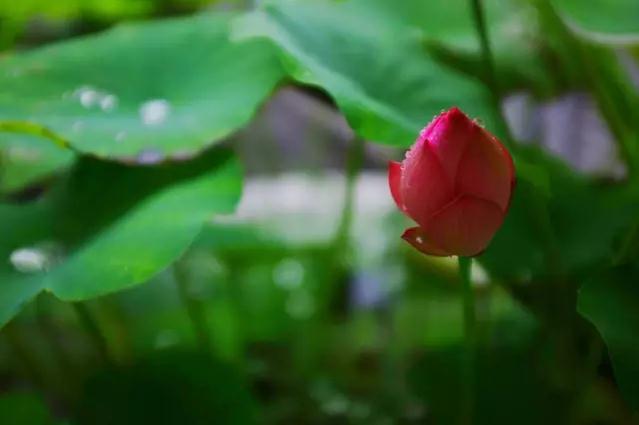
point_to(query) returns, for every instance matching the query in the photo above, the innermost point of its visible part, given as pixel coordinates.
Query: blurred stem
(92, 328)
(597, 69)
(194, 308)
(354, 160)
(111, 315)
(490, 70)
(470, 334)
(340, 244)
(627, 245)
(541, 219)
(486, 51)
(66, 369)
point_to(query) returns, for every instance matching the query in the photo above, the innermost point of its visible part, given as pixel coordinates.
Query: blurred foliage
(350, 53)
(243, 322)
(168, 388)
(609, 299)
(117, 95)
(21, 408)
(80, 243)
(605, 18)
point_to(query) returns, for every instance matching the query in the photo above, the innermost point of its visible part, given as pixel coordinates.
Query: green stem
(486, 51)
(92, 328)
(627, 245)
(470, 335)
(194, 308)
(542, 218)
(596, 68)
(490, 73)
(354, 161)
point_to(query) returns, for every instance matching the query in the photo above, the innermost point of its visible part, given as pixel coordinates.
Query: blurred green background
(196, 228)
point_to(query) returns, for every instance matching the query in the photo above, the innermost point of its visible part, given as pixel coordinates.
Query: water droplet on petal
(154, 112)
(419, 239)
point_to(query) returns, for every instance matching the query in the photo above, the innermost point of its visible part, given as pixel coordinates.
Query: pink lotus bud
(456, 183)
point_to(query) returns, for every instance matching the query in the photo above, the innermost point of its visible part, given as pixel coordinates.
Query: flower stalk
(470, 340)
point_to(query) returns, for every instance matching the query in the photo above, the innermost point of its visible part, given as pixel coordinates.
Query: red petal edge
(415, 236)
(394, 182)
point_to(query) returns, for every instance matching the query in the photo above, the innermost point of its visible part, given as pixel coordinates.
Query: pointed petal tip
(456, 113)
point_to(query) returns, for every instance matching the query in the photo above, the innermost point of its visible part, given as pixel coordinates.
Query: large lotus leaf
(379, 75)
(448, 28)
(109, 226)
(25, 160)
(602, 20)
(142, 91)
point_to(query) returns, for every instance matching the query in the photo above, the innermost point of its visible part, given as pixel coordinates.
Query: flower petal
(425, 188)
(465, 226)
(448, 136)
(486, 170)
(416, 237)
(394, 182)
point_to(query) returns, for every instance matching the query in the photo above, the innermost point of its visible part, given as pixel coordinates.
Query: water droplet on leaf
(108, 102)
(29, 260)
(87, 95)
(154, 112)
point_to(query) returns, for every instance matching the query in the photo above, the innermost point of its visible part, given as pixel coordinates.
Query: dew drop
(108, 102)
(87, 95)
(419, 240)
(154, 112)
(29, 260)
